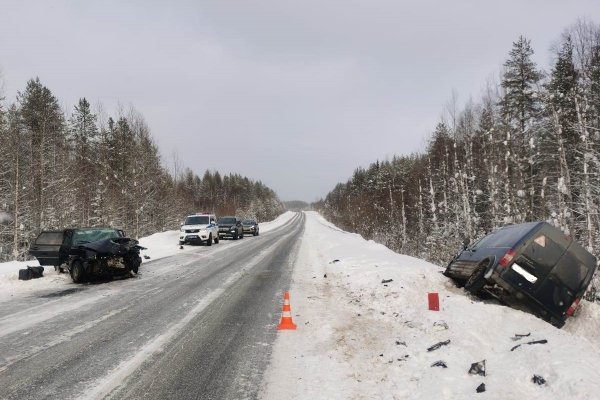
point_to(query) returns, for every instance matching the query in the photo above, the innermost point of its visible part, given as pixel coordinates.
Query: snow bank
(277, 222)
(361, 338)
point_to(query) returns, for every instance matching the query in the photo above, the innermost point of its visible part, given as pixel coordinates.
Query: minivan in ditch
(532, 266)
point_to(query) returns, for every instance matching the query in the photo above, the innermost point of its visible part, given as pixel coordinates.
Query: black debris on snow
(439, 363)
(387, 280)
(441, 324)
(438, 345)
(543, 341)
(538, 380)
(481, 388)
(519, 336)
(477, 368)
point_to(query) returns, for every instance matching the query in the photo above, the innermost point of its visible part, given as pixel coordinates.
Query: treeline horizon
(89, 169)
(528, 150)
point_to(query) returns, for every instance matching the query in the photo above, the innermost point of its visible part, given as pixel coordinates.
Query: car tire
(476, 281)
(209, 240)
(241, 237)
(77, 272)
(217, 240)
(235, 237)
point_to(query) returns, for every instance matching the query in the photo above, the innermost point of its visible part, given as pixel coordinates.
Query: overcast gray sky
(295, 94)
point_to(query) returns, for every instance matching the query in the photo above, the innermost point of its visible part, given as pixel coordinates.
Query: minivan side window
(571, 271)
(505, 237)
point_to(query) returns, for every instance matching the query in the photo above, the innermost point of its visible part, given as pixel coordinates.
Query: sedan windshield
(81, 236)
(227, 221)
(197, 220)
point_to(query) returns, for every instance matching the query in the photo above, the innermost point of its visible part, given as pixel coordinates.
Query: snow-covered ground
(359, 338)
(159, 245)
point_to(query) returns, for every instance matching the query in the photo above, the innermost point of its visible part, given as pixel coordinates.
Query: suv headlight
(182, 230)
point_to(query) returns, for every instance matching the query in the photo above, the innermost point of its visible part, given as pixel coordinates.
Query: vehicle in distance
(231, 227)
(531, 266)
(199, 228)
(250, 226)
(87, 252)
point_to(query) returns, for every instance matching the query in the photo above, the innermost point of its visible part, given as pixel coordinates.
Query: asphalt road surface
(198, 325)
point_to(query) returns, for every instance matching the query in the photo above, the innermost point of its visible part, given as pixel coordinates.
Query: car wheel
(209, 240)
(235, 237)
(216, 239)
(476, 281)
(77, 273)
(241, 237)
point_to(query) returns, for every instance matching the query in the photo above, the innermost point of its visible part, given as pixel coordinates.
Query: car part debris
(399, 343)
(387, 280)
(146, 257)
(538, 380)
(543, 341)
(334, 261)
(438, 345)
(441, 324)
(439, 363)
(477, 368)
(519, 336)
(481, 388)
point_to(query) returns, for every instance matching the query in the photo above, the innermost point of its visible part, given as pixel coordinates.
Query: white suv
(198, 228)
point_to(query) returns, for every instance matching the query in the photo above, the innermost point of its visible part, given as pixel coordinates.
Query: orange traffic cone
(286, 319)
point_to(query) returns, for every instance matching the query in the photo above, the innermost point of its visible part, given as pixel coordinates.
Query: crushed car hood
(113, 247)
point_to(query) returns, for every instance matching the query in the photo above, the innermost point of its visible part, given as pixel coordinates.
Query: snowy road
(199, 324)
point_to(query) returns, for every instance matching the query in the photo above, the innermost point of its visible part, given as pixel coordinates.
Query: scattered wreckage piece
(538, 380)
(481, 388)
(439, 363)
(87, 252)
(519, 336)
(477, 368)
(438, 345)
(543, 341)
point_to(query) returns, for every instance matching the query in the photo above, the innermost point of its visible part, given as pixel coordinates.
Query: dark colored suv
(230, 227)
(532, 266)
(250, 226)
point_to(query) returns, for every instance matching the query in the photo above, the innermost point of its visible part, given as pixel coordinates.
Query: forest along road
(195, 325)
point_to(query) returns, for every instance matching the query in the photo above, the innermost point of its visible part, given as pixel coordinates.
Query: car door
(46, 248)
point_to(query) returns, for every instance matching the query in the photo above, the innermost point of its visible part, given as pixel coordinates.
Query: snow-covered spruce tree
(83, 136)
(520, 108)
(44, 134)
(560, 142)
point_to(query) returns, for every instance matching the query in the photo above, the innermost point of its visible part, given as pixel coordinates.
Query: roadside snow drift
(365, 332)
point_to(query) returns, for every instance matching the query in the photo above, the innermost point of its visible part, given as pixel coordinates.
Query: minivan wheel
(476, 281)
